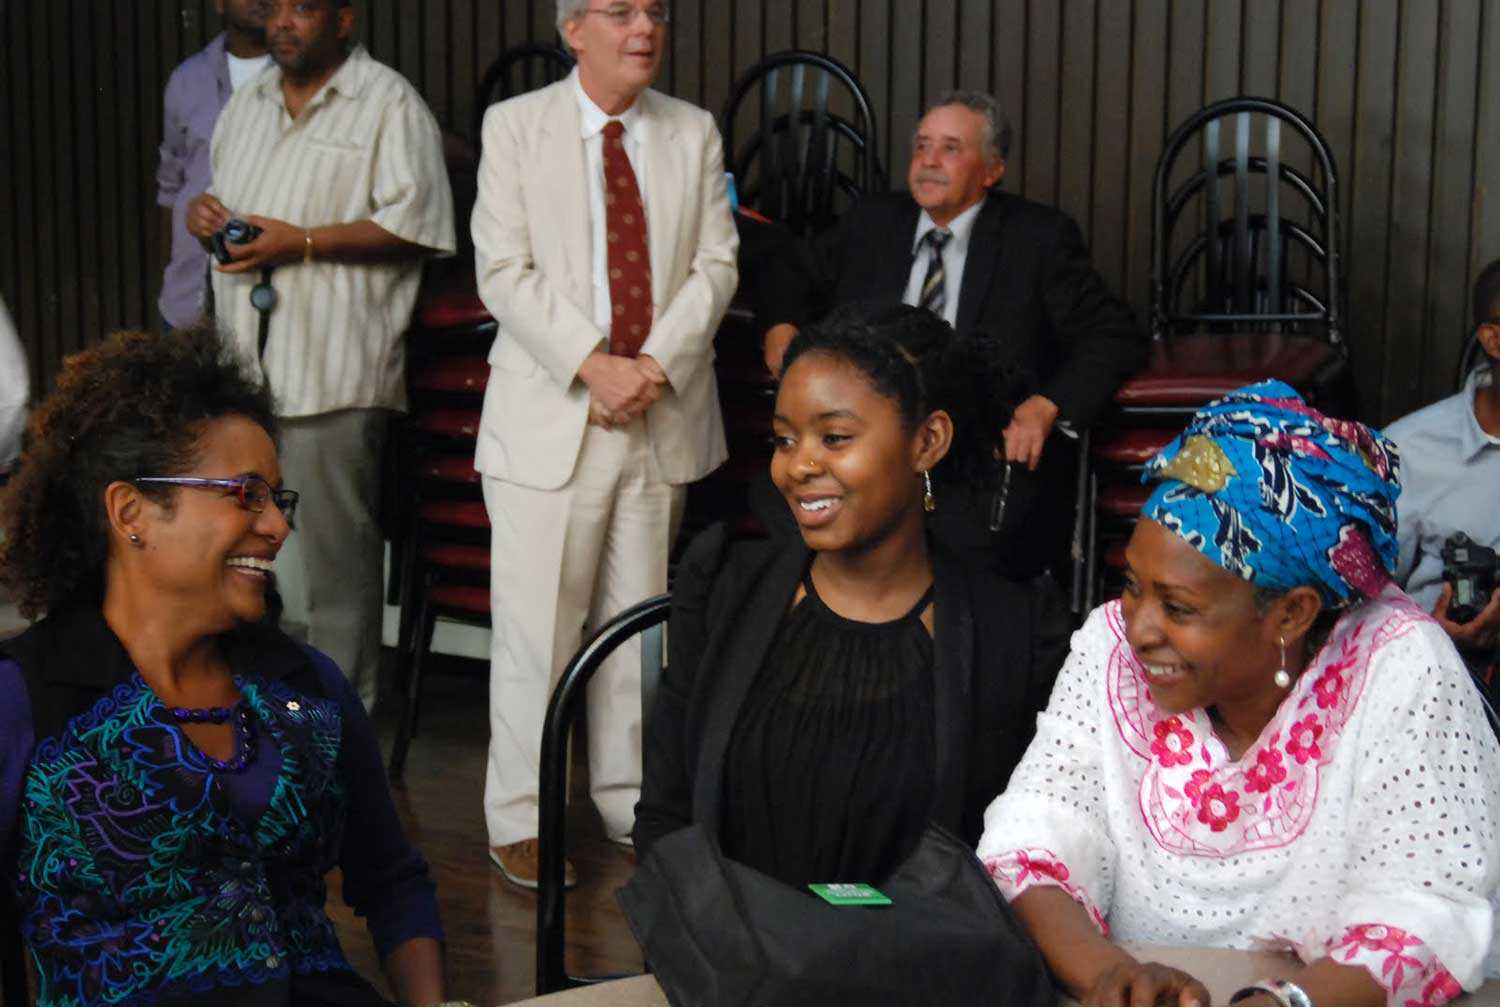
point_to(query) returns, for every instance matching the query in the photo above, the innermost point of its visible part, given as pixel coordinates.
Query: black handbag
(718, 933)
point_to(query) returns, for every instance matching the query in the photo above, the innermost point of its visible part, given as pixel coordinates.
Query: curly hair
(133, 405)
(912, 356)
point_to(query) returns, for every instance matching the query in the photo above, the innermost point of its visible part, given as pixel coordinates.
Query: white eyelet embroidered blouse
(1361, 824)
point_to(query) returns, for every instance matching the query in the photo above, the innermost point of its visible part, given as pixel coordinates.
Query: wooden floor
(490, 923)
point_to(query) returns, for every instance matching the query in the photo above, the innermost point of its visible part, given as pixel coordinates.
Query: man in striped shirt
(338, 161)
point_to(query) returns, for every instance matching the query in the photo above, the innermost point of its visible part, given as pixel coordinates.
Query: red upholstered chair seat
(450, 300)
(1123, 500)
(1193, 369)
(449, 468)
(1129, 446)
(454, 556)
(457, 374)
(456, 513)
(448, 422)
(464, 597)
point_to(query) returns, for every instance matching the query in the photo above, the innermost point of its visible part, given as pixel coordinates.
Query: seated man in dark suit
(998, 267)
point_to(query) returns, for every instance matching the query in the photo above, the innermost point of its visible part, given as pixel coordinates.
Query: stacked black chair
(1246, 284)
(809, 156)
(519, 69)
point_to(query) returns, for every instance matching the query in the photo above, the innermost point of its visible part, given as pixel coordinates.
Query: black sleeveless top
(829, 774)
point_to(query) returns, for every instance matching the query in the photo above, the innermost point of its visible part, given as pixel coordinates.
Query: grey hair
(997, 132)
(567, 10)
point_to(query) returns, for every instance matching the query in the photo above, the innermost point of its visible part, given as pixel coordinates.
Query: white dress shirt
(592, 121)
(955, 254)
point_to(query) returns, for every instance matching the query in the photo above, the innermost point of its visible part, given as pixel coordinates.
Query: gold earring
(929, 503)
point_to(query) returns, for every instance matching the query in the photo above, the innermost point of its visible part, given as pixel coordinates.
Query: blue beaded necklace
(244, 732)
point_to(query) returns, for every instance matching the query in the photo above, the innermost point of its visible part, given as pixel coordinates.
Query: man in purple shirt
(196, 94)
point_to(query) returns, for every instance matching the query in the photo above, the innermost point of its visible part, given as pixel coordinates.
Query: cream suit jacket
(533, 258)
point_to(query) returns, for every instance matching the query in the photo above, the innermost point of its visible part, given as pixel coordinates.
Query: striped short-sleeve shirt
(365, 148)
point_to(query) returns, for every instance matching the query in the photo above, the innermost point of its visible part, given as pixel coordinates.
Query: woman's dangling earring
(1283, 677)
(929, 503)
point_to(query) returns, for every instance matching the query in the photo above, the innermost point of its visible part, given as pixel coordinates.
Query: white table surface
(1223, 972)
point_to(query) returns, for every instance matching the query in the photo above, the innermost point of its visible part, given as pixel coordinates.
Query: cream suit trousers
(562, 562)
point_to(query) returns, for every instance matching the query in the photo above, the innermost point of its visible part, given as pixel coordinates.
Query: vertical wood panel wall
(1406, 91)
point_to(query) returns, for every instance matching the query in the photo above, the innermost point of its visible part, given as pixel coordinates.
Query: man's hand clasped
(620, 388)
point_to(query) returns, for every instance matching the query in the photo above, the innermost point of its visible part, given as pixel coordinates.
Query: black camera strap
(263, 299)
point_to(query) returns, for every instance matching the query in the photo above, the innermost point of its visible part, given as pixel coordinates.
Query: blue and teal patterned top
(143, 876)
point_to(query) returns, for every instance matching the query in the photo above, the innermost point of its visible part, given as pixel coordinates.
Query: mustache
(272, 38)
(933, 176)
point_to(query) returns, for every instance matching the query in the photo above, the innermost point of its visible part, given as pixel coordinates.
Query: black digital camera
(1473, 570)
(234, 232)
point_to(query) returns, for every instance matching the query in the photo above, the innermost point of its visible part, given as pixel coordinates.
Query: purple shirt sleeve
(16, 741)
(171, 168)
(385, 877)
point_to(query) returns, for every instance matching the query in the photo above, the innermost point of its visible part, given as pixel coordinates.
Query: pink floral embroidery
(1173, 744)
(1266, 773)
(1302, 739)
(1328, 687)
(1194, 786)
(1019, 870)
(1438, 990)
(1196, 801)
(1380, 940)
(1039, 867)
(1218, 807)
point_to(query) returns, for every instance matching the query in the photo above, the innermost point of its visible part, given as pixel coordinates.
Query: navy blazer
(996, 659)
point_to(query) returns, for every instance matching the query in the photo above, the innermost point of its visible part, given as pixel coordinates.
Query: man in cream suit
(605, 248)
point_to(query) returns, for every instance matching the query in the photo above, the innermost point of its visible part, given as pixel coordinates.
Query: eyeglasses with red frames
(253, 492)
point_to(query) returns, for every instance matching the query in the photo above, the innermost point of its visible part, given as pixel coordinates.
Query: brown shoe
(520, 863)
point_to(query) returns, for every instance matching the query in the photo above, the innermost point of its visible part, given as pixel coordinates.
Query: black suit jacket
(996, 654)
(1027, 283)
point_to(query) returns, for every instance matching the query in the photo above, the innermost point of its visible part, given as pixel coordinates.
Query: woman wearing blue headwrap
(1263, 744)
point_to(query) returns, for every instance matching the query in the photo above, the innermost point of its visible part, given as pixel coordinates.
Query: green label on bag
(843, 893)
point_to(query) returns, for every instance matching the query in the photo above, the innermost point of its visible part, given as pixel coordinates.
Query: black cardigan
(997, 656)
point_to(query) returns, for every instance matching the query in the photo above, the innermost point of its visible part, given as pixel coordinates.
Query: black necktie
(934, 293)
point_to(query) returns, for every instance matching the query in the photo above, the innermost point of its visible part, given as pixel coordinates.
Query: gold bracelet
(307, 244)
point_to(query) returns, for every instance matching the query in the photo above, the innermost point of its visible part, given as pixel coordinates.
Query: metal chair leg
(427, 621)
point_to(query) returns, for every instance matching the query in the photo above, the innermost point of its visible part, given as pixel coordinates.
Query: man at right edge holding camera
(1450, 476)
(338, 162)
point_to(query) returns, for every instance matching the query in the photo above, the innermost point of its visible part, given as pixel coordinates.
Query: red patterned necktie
(629, 261)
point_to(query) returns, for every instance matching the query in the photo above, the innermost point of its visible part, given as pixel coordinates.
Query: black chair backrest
(519, 69)
(1265, 254)
(804, 162)
(645, 618)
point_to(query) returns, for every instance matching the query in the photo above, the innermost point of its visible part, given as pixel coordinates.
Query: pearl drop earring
(1283, 678)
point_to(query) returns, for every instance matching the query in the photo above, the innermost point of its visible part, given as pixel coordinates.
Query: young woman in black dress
(878, 681)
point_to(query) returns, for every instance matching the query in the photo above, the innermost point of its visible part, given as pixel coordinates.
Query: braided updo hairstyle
(135, 404)
(913, 357)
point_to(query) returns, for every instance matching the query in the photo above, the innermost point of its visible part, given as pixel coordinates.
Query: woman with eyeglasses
(176, 775)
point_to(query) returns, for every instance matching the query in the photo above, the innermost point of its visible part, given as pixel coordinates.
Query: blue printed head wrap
(1272, 490)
